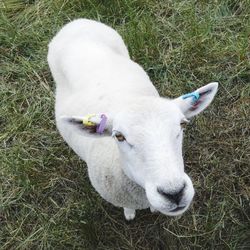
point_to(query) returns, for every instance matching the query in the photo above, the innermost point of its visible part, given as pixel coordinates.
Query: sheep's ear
(193, 103)
(94, 123)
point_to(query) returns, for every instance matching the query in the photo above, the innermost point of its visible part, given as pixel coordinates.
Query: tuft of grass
(46, 200)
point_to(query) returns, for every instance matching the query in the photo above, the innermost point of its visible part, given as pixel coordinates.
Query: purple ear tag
(101, 127)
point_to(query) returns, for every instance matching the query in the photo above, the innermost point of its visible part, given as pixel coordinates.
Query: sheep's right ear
(94, 123)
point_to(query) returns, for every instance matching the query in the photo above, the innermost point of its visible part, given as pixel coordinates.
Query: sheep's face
(149, 136)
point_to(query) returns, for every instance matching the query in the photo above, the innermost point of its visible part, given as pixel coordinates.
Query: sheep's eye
(184, 123)
(120, 137)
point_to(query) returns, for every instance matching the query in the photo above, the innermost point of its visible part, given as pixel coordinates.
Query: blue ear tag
(195, 95)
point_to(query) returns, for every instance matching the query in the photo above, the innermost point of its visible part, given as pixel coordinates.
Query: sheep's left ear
(193, 103)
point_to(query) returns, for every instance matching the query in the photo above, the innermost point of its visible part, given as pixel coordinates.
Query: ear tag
(195, 95)
(101, 127)
(86, 120)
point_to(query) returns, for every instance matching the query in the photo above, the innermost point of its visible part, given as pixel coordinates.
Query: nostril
(172, 196)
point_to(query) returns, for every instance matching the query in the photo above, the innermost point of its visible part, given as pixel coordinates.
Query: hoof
(153, 210)
(129, 213)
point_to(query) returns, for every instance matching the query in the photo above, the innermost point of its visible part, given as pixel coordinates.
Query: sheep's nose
(175, 197)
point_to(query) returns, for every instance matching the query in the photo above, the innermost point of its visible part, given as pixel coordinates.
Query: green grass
(46, 200)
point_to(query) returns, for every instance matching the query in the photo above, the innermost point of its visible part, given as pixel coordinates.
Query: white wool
(94, 75)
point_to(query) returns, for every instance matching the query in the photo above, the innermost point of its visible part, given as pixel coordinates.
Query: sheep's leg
(152, 210)
(129, 213)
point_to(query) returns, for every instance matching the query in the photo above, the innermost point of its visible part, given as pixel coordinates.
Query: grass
(46, 200)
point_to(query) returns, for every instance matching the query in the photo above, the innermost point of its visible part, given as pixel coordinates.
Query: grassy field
(46, 200)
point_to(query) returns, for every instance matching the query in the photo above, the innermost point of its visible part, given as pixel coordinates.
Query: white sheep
(134, 157)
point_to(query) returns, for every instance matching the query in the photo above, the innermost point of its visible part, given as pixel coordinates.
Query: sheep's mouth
(177, 209)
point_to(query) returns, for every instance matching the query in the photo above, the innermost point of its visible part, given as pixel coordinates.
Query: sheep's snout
(172, 198)
(175, 196)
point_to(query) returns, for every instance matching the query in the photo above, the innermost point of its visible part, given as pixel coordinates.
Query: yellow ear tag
(86, 120)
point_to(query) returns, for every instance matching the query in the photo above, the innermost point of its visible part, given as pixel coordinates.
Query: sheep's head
(149, 136)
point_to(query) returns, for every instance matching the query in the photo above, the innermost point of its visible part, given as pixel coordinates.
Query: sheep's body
(142, 165)
(94, 74)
